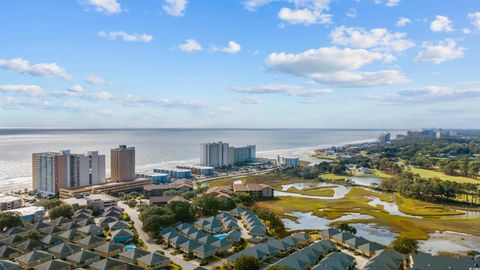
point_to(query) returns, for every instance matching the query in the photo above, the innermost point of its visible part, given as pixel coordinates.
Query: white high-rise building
(221, 154)
(215, 154)
(52, 171)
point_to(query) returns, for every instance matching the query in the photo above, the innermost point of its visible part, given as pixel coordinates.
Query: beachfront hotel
(219, 154)
(54, 170)
(122, 163)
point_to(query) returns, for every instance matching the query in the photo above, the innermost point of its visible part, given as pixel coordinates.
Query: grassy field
(274, 180)
(317, 191)
(437, 174)
(333, 177)
(357, 201)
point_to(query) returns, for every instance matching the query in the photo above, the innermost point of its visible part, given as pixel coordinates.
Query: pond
(308, 221)
(389, 207)
(339, 190)
(366, 181)
(374, 232)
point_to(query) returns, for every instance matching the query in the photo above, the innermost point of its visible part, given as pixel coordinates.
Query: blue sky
(240, 63)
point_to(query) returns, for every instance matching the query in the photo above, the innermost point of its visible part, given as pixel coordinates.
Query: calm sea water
(153, 146)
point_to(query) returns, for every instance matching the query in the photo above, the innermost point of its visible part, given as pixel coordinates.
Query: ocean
(155, 147)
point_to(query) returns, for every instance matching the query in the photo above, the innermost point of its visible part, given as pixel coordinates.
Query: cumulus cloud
(95, 80)
(332, 65)
(307, 12)
(475, 19)
(392, 3)
(42, 69)
(108, 7)
(431, 94)
(441, 24)
(377, 38)
(175, 7)
(251, 100)
(190, 45)
(231, 48)
(402, 21)
(76, 89)
(134, 37)
(28, 89)
(439, 52)
(287, 89)
(252, 5)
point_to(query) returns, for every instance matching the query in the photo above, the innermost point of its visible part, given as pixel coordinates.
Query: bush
(10, 220)
(405, 245)
(246, 263)
(63, 210)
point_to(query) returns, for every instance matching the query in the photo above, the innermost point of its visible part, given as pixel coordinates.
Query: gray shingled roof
(64, 249)
(110, 263)
(153, 259)
(8, 265)
(134, 254)
(385, 260)
(335, 261)
(82, 256)
(33, 256)
(52, 265)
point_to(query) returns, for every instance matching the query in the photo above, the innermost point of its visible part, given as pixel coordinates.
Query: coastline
(304, 153)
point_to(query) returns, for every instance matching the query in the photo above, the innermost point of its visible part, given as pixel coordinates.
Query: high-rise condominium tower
(123, 163)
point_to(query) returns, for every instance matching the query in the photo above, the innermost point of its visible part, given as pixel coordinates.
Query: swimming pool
(221, 236)
(129, 247)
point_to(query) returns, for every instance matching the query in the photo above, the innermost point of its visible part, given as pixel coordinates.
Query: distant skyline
(373, 64)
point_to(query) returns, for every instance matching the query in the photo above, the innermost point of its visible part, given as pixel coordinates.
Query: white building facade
(215, 154)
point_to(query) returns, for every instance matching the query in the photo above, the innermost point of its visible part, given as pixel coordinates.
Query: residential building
(288, 162)
(109, 188)
(158, 190)
(256, 191)
(9, 202)
(200, 170)
(220, 154)
(122, 163)
(97, 201)
(52, 171)
(384, 138)
(175, 173)
(158, 178)
(30, 214)
(215, 154)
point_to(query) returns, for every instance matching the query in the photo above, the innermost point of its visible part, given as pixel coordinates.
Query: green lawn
(437, 174)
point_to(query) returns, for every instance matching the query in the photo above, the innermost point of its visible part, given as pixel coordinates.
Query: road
(152, 247)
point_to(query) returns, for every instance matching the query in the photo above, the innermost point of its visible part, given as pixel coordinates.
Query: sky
(240, 63)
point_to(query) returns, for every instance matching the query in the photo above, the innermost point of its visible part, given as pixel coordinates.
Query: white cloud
(431, 94)
(42, 69)
(388, 3)
(402, 21)
(307, 12)
(95, 80)
(126, 36)
(251, 100)
(466, 31)
(439, 52)
(105, 6)
(175, 7)
(28, 89)
(352, 13)
(475, 19)
(392, 3)
(287, 89)
(101, 96)
(76, 89)
(332, 65)
(441, 24)
(232, 48)
(190, 45)
(378, 38)
(254, 4)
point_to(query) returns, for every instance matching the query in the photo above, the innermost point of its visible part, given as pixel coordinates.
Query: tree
(9, 220)
(50, 204)
(344, 227)
(63, 210)
(208, 204)
(153, 223)
(405, 245)
(183, 211)
(246, 263)
(33, 235)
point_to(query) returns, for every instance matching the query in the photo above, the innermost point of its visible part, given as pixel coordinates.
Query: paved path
(152, 247)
